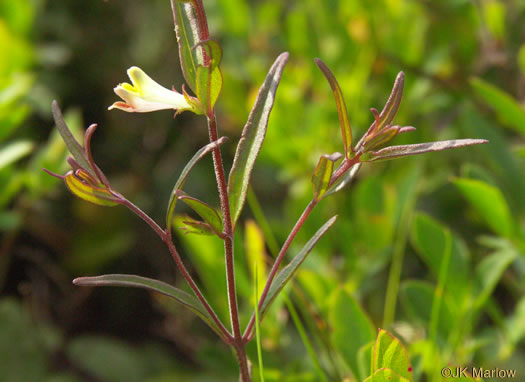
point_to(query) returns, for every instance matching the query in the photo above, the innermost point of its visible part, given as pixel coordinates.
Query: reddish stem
(273, 272)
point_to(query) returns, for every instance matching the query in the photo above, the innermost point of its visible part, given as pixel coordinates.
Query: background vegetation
(431, 248)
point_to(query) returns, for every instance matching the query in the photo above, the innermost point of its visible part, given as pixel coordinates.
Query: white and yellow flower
(145, 95)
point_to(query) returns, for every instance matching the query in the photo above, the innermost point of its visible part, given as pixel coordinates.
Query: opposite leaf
(184, 175)
(323, 174)
(81, 184)
(209, 77)
(287, 272)
(252, 138)
(346, 130)
(418, 148)
(209, 214)
(154, 285)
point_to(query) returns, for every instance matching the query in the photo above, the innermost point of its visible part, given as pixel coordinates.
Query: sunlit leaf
(153, 285)
(344, 181)
(287, 272)
(419, 148)
(79, 184)
(489, 202)
(346, 129)
(208, 213)
(185, 173)
(188, 35)
(323, 174)
(389, 353)
(252, 138)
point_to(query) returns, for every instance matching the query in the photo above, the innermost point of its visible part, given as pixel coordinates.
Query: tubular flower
(145, 95)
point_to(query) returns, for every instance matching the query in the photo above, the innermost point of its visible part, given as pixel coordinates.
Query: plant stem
(228, 251)
(248, 335)
(165, 235)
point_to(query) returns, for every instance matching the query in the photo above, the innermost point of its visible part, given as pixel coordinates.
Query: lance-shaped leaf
(389, 111)
(323, 174)
(153, 285)
(209, 76)
(344, 180)
(346, 130)
(287, 272)
(82, 185)
(188, 35)
(73, 146)
(252, 138)
(418, 148)
(208, 213)
(191, 225)
(185, 173)
(390, 353)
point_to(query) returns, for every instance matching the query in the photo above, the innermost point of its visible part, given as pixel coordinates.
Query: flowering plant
(200, 59)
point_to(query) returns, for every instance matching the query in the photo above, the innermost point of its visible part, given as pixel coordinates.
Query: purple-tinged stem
(273, 272)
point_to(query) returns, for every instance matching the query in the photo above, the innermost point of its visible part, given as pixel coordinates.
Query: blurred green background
(431, 248)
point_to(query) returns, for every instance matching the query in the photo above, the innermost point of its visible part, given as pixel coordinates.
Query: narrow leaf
(209, 77)
(185, 173)
(186, 29)
(344, 180)
(390, 353)
(490, 203)
(506, 107)
(76, 183)
(72, 145)
(346, 130)
(208, 213)
(252, 138)
(419, 148)
(389, 111)
(287, 272)
(153, 285)
(195, 226)
(323, 174)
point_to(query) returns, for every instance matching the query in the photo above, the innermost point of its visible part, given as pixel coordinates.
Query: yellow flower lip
(144, 95)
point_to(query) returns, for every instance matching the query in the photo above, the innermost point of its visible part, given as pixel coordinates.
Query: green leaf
(209, 77)
(287, 272)
(134, 281)
(13, 152)
(191, 225)
(73, 146)
(418, 148)
(351, 327)
(389, 111)
(490, 203)
(506, 107)
(323, 174)
(184, 175)
(489, 272)
(252, 138)
(208, 213)
(79, 182)
(188, 36)
(346, 129)
(385, 375)
(344, 181)
(389, 353)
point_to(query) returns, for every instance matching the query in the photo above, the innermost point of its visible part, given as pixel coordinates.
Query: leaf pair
(199, 56)
(86, 180)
